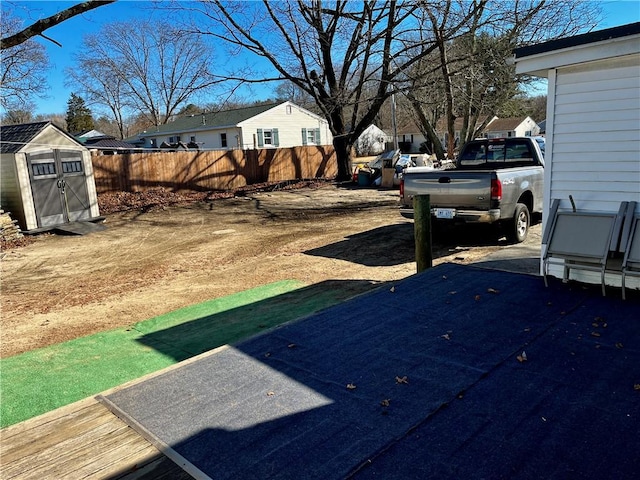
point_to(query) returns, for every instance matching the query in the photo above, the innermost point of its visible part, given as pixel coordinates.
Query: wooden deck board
(83, 440)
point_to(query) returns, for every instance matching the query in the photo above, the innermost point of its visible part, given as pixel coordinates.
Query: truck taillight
(496, 189)
(402, 188)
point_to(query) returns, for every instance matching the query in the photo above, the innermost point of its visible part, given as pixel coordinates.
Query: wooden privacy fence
(211, 169)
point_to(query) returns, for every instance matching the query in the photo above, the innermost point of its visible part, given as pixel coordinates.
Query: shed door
(59, 187)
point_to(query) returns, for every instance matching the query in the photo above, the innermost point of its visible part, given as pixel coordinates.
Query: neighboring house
(373, 141)
(46, 176)
(511, 127)
(593, 112)
(106, 144)
(543, 127)
(88, 134)
(411, 140)
(274, 125)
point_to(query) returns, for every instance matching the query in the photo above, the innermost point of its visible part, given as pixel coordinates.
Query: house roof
(211, 120)
(504, 124)
(14, 137)
(586, 38)
(110, 143)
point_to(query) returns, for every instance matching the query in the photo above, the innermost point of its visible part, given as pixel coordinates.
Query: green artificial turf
(41, 380)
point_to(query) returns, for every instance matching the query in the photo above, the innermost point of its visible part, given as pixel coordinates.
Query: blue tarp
(457, 372)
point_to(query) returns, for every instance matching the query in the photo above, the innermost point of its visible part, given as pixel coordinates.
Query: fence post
(422, 231)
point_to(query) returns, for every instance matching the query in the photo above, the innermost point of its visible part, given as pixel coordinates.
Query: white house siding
(289, 120)
(595, 141)
(206, 139)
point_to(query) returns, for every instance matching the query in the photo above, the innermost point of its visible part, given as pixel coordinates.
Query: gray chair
(631, 261)
(579, 240)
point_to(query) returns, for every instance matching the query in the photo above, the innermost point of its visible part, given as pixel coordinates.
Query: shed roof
(211, 120)
(576, 40)
(14, 137)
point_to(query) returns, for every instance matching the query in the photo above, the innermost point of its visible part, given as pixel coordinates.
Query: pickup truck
(493, 181)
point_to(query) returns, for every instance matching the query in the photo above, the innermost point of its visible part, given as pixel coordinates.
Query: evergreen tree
(79, 116)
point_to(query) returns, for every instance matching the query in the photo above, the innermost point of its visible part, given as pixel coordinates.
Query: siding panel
(596, 139)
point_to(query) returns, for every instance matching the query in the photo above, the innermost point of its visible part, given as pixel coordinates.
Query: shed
(46, 177)
(593, 123)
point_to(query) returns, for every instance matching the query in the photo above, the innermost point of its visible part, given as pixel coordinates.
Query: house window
(172, 139)
(223, 140)
(268, 137)
(289, 109)
(310, 136)
(193, 139)
(527, 133)
(153, 142)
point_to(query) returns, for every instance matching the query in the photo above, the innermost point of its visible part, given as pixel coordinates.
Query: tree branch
(40, 26)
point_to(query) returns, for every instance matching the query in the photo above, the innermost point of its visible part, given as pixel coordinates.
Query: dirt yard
(151, 261)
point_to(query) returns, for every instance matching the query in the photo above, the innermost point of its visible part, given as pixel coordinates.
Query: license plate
(445, 212)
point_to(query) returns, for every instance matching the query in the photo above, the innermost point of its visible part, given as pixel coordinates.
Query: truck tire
(519, 226)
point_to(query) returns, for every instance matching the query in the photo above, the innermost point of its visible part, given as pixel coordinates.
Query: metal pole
(393, 120)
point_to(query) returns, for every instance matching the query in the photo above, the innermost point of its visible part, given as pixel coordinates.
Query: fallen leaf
(270, 394)
(636, 386)
(392, 289)
(619, 345)
(292, 345)
(522, 357)
(477, 297)
(492, 290)
(595, 334)
(446, 336)
(444, 277)
(403, 380)
(386, 402)
(268, 354)
(351, 386)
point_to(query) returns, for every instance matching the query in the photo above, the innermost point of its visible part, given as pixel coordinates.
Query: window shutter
(317, 137)
(304, 136)
(260, 138)
(274, 133)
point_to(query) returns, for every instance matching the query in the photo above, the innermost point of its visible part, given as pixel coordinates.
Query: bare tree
(38, 28)
(144, 67)
(22, 69)
(473, 78)
(346, 55)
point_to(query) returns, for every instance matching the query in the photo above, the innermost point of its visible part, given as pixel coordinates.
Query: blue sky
(69, 34)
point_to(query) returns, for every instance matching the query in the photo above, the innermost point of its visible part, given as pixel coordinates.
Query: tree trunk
(343, 150)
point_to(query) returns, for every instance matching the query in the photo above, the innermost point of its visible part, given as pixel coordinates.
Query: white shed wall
(593, 140)
(596, 135)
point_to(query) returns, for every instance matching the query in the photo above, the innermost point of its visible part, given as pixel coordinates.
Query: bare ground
(149, 261)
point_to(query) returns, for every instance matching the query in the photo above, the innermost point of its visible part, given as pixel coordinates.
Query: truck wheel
(519, 226)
